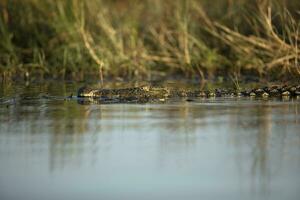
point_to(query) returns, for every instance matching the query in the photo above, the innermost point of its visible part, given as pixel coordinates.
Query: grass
(135, 39)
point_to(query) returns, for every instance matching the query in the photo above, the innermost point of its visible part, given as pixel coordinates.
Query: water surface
(51, 148)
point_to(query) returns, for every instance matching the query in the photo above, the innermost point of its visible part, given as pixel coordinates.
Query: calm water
(206, 149)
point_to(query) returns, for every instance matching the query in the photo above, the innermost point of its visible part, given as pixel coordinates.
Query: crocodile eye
(146, 88)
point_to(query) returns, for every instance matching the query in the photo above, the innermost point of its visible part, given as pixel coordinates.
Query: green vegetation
(73, 39)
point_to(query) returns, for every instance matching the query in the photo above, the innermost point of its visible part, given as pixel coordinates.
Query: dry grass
(137, 39)
(264, 52)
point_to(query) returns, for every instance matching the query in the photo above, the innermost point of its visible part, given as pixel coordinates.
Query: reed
(138, 39)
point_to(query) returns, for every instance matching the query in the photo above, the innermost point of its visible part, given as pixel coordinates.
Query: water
(206, 149)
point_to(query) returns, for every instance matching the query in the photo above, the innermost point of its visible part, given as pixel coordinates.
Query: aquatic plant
(139, 39)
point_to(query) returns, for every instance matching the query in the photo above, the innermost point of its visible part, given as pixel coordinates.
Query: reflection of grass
(72, 38)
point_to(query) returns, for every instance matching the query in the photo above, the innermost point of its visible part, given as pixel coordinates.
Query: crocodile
(146, 93)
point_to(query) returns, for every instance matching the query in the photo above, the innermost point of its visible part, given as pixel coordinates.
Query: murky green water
(207, 149)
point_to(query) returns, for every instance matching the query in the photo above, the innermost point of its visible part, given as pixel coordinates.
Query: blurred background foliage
(143, 39)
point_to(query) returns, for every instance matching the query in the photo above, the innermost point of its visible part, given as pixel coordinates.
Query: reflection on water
(210, 149)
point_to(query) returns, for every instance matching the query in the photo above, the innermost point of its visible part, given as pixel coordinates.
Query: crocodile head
(85, 92)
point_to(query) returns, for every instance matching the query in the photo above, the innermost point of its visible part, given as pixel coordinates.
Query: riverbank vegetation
(144, 39)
